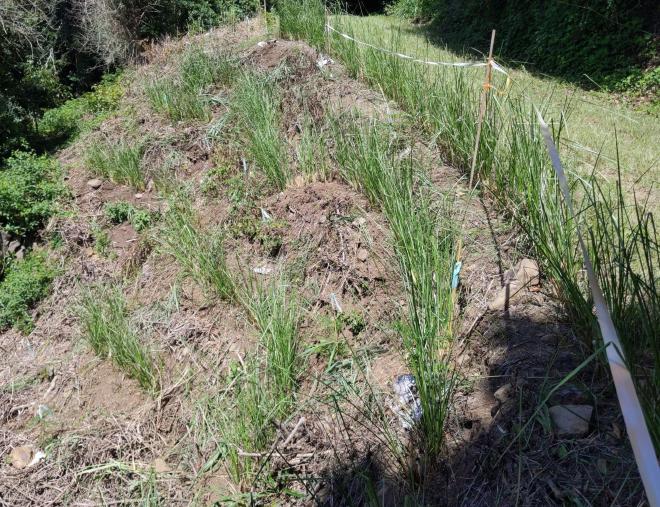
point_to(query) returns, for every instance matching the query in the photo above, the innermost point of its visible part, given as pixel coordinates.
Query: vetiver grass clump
(185, 95)
(256, 106)
(198, 251)
(304, 19)
(276, 312)
(119, 161)
(424, 243)
(106, 324)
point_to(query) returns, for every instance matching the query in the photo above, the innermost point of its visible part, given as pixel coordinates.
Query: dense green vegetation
(609, 42)
(54, 50)
(29, 188)
(25, 283)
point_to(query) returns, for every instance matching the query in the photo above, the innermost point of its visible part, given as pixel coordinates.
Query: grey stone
(503, 393)
(362, 255)
(94, 183)
(14, 246)
(571, 420)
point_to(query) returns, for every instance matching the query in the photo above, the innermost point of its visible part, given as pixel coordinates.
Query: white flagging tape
(495, 65)
(640, 439)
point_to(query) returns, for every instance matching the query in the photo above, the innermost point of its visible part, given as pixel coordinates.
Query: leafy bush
(79, 114)
(122, 211)
(30, 187)
(26, 282)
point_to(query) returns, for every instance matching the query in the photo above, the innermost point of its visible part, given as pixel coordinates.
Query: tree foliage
(581, 40)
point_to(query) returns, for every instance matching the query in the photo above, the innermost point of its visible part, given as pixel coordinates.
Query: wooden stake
(328, 35)
(482, 112)
(482, 105)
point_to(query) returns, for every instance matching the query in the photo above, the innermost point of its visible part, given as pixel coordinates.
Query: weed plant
(256, 108)
(105, 320)
(120, 162)
(26, 282)
(198, 251)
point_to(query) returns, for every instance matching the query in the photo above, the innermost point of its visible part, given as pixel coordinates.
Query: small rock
(139, 195)
(262, 270)
(160, 466)
(362, 255)
(571, 420)
(94, 183)
(20, 253)
(503, 393)
(21, 456)
(527, 272)
(323, 219)
(523, 276)
(14, 246)
(359, 221)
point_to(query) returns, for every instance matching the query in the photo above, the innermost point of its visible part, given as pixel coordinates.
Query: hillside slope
(237, 306)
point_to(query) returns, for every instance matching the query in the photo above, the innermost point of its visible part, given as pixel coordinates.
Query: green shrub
(30, 187)
(122, 211)
(26, 283)
(79, 114)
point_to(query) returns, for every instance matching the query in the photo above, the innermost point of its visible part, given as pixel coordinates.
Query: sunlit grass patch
(107, 328)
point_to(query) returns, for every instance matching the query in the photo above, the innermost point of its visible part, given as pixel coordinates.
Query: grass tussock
(120, 162)
(186, 96)
(105, 319)
(198, 251)
(424, 241)
(239, 422)
(256, 107)
(303, 19)
(276, 312)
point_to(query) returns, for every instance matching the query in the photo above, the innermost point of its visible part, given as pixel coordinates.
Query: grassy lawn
(591, 117)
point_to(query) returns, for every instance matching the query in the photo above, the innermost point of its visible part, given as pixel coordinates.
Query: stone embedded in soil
(21, 457)
(14, 246)
(94, 183)
(362, 255)
(571, 420)
(160, 466)
(139, 195)
(503, 393)
(524, 275)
